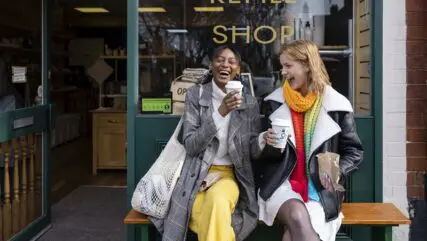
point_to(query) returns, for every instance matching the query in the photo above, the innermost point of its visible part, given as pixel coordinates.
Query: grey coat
(201, 145)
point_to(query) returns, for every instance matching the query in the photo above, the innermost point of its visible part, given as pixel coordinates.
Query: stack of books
(193, 74)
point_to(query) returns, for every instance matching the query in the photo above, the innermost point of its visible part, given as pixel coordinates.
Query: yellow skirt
(212, 209)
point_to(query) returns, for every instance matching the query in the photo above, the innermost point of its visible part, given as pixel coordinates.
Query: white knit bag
(153, 193)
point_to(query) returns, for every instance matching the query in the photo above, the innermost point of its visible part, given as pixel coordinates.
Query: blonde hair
(307, 53)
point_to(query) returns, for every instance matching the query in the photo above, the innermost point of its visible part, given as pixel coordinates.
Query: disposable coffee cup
(281, 128)
(234, 85)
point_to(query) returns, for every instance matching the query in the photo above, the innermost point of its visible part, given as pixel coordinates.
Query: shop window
(20, 54)
(177, 35)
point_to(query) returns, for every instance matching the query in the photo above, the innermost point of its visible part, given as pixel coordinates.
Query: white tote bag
(154, 190)
(153, 193)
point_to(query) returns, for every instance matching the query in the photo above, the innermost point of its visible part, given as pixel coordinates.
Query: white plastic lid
(233, 84)
(281, 122)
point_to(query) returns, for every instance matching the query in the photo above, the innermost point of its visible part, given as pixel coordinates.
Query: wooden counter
(109, 138)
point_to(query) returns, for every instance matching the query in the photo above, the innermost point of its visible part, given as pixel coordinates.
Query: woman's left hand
(270, 137)
(326, 182)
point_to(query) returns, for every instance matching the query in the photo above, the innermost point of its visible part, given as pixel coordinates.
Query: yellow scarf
(296, 101)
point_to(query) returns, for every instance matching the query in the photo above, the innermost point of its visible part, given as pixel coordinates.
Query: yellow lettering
(224, 36)
(219, 1)
(247, 34)
(263, 41)
(276, 1)
(285, 31)
(234, 1)
(290, 1)
(221, 36)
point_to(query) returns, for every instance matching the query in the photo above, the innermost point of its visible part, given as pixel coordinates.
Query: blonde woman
(291, 190)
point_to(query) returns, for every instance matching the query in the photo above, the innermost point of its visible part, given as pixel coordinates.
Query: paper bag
(329, 168)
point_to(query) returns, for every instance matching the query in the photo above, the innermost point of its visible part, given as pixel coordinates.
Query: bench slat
(354, 213)
(134, 217)
(373, 214)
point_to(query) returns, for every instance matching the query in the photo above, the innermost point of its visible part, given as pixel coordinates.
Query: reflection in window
(173, 37)
(20, 54)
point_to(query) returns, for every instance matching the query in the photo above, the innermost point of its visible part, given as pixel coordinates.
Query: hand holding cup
(280, 129)
(270, 137)
(231, 101)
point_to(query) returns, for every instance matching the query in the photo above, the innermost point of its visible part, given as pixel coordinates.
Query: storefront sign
(247, 33)
(254, 33)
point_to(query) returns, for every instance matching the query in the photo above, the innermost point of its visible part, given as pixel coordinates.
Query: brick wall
(416, 93)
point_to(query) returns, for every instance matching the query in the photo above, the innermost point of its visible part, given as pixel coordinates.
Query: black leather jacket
(274, 167)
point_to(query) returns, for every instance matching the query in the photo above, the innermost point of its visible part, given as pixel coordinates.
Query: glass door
(24, 120)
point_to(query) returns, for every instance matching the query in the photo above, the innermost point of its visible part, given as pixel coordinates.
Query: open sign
(179, 90)
(182, 91)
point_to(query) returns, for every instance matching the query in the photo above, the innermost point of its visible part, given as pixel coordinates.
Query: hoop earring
(206, 77)
(238, 77)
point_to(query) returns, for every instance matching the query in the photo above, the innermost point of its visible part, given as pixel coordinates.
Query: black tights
(294, 216)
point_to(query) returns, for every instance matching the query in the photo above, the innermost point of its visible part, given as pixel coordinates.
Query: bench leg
(382, 233)
(144, 233)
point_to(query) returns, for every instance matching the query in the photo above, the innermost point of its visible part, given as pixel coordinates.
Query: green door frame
(377, 98)
(46, 137)
(41, 123)
(132, 98)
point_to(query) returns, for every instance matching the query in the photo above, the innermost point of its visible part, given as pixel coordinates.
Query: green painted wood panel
(24, 121)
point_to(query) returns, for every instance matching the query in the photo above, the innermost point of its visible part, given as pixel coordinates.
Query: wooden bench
(381, 216)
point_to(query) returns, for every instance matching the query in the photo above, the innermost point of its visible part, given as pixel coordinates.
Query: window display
(187, 32)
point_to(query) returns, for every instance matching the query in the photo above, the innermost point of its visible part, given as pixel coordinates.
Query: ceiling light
(151, 10)
(92, 10)
(177, 30)
(209, 9)
(237, 29)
